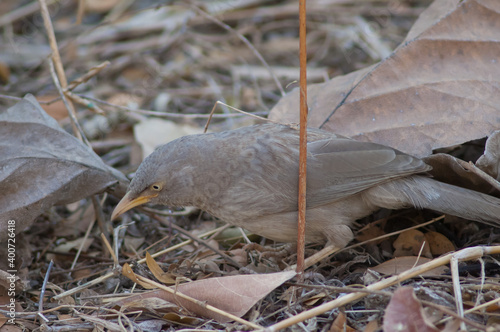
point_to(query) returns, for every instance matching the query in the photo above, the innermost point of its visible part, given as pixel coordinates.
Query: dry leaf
(132, 243)
(493, 307)
(151, 325)
(405, 313)
(11, 306)
(129, 273)
(57, 109)
(186, 320)
(441, 87)
(315, 298)
(232, 294)
(446, 168)
(410, 242)
(42, 166)
(400, 264)
(12, 328)
(77, 223)
(371, 326)
(340, 324)
(493, 324)
(438, 243)
(240, 256)
(4, 73)
(163, 277)
(369, 232)
(82, 274)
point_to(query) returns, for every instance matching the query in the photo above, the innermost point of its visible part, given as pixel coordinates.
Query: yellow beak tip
(115, 214)
(126, 204)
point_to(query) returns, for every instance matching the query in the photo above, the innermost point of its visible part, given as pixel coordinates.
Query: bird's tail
(426, 193)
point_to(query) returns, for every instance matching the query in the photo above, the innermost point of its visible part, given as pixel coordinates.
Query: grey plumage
(249, 177)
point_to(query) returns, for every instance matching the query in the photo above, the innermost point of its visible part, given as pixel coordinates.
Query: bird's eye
(156, 187)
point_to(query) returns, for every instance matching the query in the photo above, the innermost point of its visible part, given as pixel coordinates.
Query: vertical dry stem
(303, 138)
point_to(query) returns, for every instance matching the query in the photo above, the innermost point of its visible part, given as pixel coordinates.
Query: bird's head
(164, 177)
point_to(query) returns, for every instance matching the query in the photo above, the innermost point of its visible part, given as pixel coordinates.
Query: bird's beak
(127, 203)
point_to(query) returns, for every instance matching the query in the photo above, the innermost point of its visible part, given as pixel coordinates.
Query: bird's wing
(338, 167)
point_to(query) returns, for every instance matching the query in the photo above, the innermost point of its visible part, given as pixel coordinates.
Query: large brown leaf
(405, 313)
(233, 294)
(439, 88)
(42, 165)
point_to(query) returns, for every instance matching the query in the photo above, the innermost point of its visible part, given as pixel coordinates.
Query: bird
(248, 177)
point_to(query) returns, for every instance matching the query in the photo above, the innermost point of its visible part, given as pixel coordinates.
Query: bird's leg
(270, 252)
(282, 251)
(328, 250)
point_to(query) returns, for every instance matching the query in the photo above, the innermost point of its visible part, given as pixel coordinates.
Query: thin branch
(42, 293)
(175, 115)
(60, 80)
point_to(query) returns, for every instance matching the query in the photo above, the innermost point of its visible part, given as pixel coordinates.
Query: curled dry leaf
(42, 166)
(315, 298)
(489, 162)
(439, 88)
(129, 273)
(405, 313)
(446, 168)
(162, 276)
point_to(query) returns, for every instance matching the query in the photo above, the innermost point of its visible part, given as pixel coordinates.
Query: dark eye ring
(156, 187)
